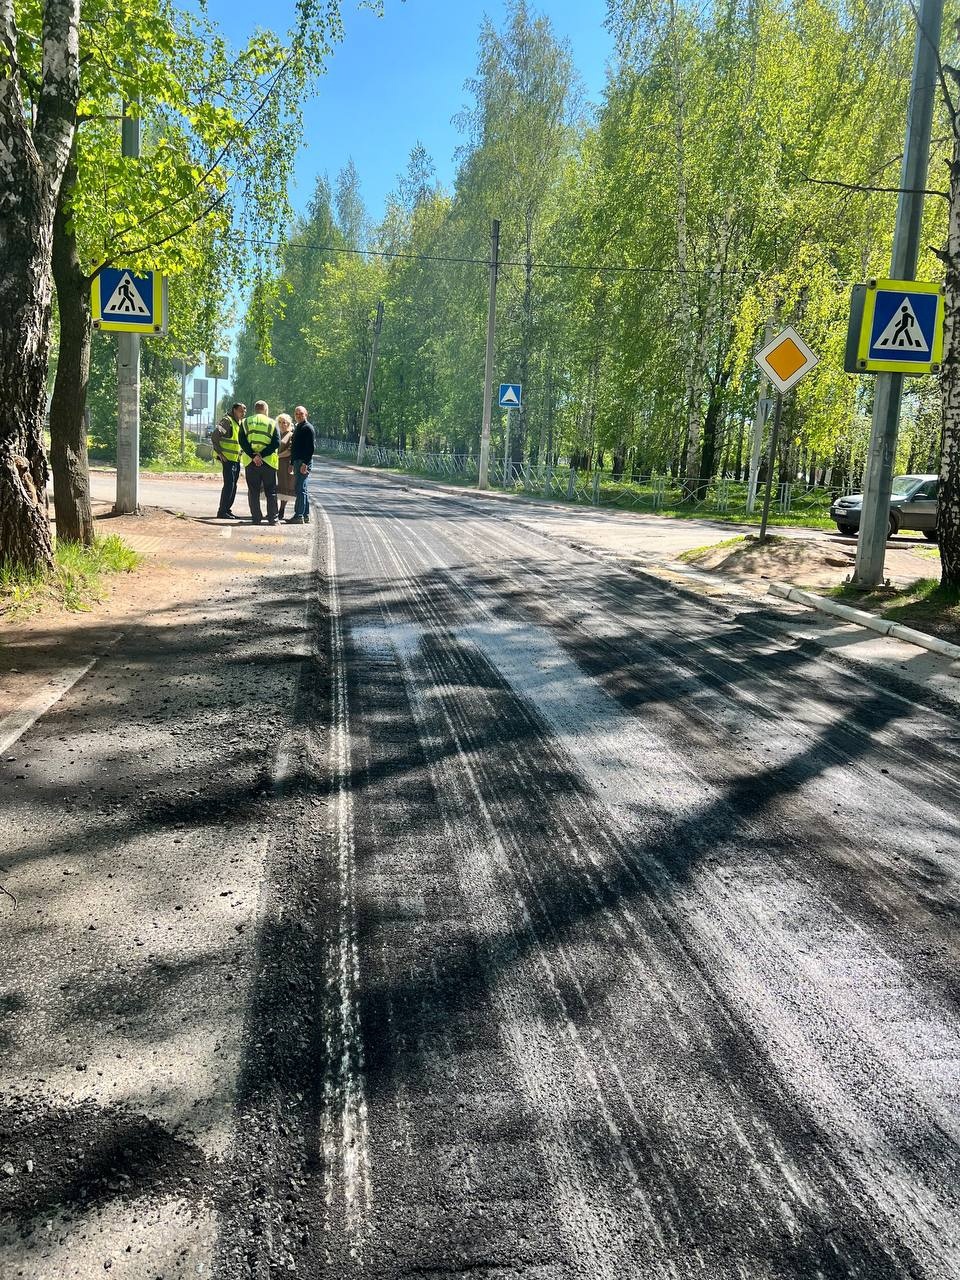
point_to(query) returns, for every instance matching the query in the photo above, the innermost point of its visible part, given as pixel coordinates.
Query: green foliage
(727, 180)
(76, 580)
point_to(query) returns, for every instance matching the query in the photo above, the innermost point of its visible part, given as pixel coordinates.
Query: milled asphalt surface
(584, 929)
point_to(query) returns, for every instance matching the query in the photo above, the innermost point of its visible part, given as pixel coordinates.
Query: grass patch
(925, 605)
(76, 580)
(161, 466)
(693, 552)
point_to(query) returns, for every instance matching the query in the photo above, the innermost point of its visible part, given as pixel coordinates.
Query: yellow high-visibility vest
(259, 430)
(230, 446)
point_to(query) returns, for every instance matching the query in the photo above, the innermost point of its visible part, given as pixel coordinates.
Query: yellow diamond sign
(786, 359)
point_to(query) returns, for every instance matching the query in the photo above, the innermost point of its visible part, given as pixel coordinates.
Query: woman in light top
(285, 470)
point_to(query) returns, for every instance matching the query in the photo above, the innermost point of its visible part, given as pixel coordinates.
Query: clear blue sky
(399, 79)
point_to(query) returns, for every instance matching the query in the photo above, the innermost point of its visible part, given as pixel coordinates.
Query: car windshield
(903, 484)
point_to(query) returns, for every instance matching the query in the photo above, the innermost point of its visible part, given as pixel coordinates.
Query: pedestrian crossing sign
(123, 302)
(896, 326)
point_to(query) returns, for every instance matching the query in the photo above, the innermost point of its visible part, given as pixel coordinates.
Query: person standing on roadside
(260, 445)
(285, 487)
(226, 446)
(301, 459)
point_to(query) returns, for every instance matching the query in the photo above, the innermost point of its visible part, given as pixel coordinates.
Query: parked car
(913, 505)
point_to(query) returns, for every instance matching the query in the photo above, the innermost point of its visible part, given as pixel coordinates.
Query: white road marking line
(344, 1090)
(16, 723)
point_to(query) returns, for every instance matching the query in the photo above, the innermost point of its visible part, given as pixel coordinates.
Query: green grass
(191, 462)
(692, 552)
(76, 580)
(925, 604)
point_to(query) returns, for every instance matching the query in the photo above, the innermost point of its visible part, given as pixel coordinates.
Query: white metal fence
(722, 495)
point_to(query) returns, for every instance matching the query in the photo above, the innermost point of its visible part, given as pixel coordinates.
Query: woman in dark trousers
(301, 460)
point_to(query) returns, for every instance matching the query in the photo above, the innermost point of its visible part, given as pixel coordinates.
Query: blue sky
(399, 79)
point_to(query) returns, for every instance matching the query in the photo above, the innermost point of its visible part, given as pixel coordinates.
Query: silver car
(913, 505)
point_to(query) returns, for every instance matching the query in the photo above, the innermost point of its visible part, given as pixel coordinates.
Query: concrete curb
(863, 619)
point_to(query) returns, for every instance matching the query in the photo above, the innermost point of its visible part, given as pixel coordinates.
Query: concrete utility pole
(128, 377)
(878, 475)
(183, 409)
(377, 326)
(483, 481)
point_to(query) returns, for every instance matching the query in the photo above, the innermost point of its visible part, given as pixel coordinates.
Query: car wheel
(846, 529)
(893, 528)
(930, 535)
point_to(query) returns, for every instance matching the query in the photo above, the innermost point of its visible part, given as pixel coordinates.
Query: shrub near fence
(722, 497)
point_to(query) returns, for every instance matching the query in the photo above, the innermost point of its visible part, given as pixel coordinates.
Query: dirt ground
(810, 563)
(183, 559)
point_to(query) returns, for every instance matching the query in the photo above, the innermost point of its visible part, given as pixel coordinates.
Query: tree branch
(868, 189)
(155, 244)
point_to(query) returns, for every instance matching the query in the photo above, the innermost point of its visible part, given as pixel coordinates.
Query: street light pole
(483, 481)
(888, 390)
(377, 326)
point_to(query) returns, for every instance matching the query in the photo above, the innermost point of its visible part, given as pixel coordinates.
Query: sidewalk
(187, 562)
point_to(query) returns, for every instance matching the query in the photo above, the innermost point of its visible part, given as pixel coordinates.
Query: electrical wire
(618, 268)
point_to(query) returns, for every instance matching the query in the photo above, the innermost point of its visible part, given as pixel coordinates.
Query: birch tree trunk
(68, 433)
(948, 513)
(32, 164)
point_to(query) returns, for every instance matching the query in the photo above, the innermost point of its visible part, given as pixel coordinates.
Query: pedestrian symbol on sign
(125, 299)
(903, 331)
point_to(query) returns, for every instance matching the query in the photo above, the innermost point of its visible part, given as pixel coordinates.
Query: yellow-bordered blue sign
(123, 302)
(896, 326)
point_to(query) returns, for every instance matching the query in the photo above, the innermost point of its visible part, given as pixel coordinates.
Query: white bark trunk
(948, 517)
(31, 170)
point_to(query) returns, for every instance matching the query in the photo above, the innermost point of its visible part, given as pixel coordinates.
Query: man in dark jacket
(301, 459)
(226, 445)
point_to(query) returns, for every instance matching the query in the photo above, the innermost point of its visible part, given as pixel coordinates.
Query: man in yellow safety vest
(259, 444)
(226, 445)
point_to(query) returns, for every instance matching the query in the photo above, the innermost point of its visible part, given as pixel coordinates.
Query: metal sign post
(774, 438)
(785, 360)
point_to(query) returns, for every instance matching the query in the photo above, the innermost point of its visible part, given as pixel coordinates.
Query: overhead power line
(617, 268)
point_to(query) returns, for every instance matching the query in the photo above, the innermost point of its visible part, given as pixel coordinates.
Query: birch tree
(36, 135)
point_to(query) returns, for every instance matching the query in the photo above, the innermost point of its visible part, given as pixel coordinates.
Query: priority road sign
(123, 302)
(896, 326)
(786, 359)
(510, 395)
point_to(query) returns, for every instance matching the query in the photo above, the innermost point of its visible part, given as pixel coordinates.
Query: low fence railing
(633, 492)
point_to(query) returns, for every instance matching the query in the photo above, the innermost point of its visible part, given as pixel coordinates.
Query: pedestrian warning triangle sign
(903, 332)
(125, 299)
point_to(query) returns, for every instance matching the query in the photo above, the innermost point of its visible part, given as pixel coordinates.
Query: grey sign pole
(878, 477)
(128, 378)
(483, 480)
(771, 463)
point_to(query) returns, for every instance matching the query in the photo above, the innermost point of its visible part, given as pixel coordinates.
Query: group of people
(276, 456)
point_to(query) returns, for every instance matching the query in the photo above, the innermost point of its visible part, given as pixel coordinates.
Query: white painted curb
(863, 619)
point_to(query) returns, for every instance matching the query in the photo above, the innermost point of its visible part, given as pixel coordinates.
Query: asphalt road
(602, 934)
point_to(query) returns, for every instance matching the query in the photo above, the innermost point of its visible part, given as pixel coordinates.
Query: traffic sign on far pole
(785, 360)
(511, 394)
